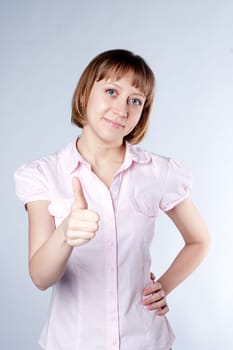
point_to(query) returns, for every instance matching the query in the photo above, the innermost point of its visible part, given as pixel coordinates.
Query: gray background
(189, 44)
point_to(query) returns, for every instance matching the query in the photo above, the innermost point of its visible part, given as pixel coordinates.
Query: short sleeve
(31, 183)
(178, 181)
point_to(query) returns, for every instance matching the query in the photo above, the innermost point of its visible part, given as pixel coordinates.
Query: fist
(82, 223)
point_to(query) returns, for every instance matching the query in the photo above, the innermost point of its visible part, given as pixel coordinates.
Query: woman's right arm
(50, 247)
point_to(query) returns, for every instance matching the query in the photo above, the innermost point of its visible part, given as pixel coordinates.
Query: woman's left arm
(197, 241)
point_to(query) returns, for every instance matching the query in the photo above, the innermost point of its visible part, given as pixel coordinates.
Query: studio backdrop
(189, 44)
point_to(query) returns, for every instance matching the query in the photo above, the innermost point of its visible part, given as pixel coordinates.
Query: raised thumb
(78, 193)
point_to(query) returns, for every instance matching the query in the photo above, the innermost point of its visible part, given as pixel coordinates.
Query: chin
(109, 139)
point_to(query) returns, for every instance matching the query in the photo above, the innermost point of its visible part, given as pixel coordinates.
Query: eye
(135, 101)
(111, 92)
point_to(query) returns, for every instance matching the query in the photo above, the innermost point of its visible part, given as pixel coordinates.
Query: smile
(114, 124)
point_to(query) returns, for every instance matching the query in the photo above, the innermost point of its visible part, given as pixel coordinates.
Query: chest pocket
(144, 193)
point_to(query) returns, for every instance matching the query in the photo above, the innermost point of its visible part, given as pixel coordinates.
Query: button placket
(112, 317)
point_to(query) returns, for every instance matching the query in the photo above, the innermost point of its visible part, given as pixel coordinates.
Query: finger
(152, 276)
(79, 235)
(78, 193)
(162, 311)
(83, 215)
(157, 296)
(154, 287)
(157, 304)
(87, 226)
(77, 242)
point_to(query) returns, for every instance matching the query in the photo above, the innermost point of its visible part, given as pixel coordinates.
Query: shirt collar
(136, 154)
(71, 158)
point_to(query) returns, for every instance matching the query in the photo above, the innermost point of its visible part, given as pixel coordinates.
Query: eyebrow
(114, 83)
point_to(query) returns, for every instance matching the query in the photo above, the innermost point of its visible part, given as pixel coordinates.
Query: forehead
(135, 78)
(124, 81)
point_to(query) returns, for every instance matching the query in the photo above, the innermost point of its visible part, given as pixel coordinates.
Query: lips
(115, 124)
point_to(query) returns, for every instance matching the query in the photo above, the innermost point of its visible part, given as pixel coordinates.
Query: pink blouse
(97, 304)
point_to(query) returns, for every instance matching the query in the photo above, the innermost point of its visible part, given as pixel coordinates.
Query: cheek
(136, 117)
(133, 122)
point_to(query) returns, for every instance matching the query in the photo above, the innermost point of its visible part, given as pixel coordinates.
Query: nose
(121, 108)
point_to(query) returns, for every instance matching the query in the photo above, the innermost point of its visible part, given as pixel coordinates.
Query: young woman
(92, 208)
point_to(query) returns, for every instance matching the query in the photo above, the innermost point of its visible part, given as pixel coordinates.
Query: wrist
(61, 230)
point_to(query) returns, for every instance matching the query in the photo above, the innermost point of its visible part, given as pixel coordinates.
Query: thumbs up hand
(82, 222)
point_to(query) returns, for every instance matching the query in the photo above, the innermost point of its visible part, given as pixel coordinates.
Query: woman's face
(114, 108)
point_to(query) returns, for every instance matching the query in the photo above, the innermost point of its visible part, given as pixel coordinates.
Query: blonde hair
(115, 63)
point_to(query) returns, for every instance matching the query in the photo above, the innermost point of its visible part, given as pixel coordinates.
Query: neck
(97, 151)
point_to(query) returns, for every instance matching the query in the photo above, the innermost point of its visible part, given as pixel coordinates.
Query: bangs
(142, 78)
